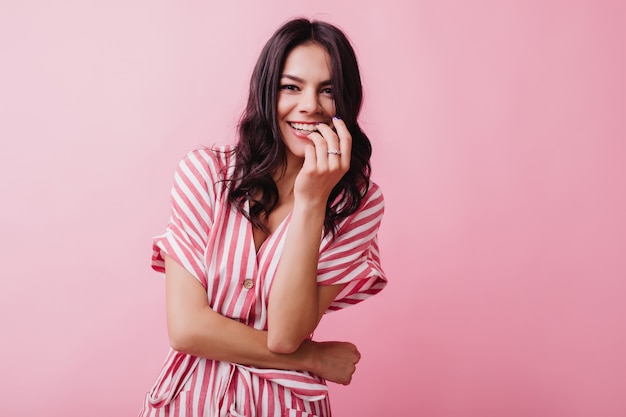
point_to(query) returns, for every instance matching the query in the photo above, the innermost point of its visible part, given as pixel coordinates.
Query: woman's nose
(309, 102)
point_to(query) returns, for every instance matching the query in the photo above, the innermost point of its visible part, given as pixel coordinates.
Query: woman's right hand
(335, 361)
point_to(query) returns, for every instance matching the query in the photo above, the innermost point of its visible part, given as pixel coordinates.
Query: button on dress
(210, 238)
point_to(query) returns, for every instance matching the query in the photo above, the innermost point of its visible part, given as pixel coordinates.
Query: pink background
(499, 132)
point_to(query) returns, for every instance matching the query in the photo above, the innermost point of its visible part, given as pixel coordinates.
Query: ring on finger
(334, 152)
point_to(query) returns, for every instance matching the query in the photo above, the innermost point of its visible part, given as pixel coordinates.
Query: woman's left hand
(326, 160)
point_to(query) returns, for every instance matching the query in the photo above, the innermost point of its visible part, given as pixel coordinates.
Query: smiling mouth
(304, 127)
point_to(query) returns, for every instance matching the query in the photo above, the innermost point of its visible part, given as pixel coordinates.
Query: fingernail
(336, 117)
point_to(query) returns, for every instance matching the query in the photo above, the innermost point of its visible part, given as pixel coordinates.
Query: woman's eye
(327, 90)
(289, 87)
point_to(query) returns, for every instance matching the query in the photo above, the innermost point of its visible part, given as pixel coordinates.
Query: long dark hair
(260, 151)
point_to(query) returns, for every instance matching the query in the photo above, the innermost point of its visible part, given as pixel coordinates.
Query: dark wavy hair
(260, 151)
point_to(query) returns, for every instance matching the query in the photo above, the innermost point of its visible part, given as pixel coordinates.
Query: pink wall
(500, 142)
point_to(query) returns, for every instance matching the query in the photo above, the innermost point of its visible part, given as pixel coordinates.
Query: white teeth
(304, 126)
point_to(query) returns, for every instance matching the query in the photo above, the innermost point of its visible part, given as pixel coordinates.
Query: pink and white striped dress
(213, 241)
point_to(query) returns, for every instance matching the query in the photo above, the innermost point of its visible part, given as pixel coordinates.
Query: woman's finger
(345, 141)
(332, 142)
(321, 150)
(310, 157)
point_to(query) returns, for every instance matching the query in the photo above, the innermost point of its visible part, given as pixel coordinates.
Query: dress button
(248, 283)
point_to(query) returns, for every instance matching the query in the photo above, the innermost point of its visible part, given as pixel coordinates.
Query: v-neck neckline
(268, 239)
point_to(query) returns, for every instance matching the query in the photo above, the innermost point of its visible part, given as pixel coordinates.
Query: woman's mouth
(304, 128)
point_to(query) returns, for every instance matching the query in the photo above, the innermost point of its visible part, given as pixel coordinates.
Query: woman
(267, 236)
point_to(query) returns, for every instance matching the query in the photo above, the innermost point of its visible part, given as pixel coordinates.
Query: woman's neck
(286, 177)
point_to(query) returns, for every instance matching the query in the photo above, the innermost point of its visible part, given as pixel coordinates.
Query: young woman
(268, 235)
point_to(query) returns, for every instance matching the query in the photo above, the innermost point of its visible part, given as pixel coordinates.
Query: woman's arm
(196, 329)
(296, 302)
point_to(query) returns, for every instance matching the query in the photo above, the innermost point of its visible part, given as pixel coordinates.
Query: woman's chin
(296, 152)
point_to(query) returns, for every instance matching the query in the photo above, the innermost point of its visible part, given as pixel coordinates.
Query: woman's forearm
(219, 338)
(211, 335)
(293, 306)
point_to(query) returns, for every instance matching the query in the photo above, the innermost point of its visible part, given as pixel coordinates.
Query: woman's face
(305, 97)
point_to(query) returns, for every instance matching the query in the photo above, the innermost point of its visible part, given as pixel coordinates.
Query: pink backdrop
(500, 142)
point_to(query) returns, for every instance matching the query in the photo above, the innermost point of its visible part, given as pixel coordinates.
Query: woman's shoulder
(373, 197)
(210, 161)
(374, 191)
(371, 209)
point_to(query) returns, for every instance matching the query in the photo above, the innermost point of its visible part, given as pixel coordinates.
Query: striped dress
(213, 241)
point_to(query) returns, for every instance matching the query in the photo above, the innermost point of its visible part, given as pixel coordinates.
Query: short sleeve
(352, 257)
(193, 199)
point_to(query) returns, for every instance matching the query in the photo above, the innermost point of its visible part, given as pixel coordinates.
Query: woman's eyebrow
(300, 80)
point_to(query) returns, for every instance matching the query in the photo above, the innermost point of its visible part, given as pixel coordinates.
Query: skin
(296, 303)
